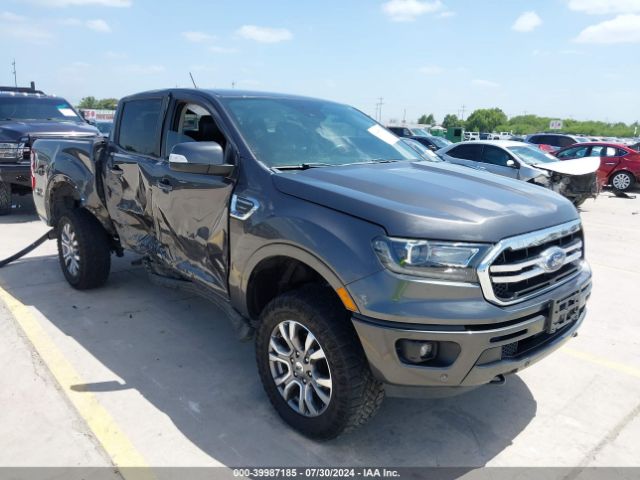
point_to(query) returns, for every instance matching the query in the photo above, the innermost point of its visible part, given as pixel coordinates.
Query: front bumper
(513, 339)
(16, 174)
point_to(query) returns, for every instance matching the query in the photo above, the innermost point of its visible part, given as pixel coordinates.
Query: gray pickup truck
(359, 269)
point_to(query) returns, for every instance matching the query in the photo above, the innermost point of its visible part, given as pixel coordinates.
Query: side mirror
(199, 157)
(511, 163)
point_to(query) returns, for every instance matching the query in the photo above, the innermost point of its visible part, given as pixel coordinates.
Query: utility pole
(404, 117)
(15, 77)
(379, 109)
(233, 84)
(462, 110)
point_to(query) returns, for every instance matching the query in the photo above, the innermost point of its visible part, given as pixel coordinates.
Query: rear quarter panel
(72, 165)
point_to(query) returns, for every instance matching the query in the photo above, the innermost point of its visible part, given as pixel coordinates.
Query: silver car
(574, 180)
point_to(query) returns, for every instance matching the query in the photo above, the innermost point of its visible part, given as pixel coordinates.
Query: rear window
(139, 126)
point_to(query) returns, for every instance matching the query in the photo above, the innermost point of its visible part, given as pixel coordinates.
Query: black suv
(24, 114)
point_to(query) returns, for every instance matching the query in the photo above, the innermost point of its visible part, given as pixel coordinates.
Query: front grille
(517, 268)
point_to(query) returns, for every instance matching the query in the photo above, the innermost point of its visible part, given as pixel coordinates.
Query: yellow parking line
(109, 435)
(588, 357)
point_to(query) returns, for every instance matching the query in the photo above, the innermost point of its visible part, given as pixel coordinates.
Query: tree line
(102, 104)
(495, 120)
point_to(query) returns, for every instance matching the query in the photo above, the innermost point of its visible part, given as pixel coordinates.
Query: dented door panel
(128, 181)
(192, 214)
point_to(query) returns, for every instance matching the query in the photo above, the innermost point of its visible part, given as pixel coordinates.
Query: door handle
(116, 170)
(164, 185)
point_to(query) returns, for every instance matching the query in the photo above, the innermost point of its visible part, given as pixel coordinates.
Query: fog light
(417, 351)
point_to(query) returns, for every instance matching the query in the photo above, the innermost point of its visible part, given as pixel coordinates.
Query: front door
(494, 160)
(130, 168)
(192, 210)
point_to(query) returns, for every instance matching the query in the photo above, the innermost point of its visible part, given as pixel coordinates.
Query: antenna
(193, 81)
(15, 77)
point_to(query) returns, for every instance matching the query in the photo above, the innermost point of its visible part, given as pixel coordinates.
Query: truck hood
(13, 131)
(579, 166)
(430, 200)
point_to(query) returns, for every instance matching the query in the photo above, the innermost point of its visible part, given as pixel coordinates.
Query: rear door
(192, 210)
(130, 171)
(467, 154)
(610, 158)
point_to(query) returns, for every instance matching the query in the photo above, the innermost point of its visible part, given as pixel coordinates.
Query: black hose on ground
(50, 235)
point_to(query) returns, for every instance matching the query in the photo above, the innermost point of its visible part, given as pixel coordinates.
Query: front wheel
(83, 249)
(622, 181)
(312, 365)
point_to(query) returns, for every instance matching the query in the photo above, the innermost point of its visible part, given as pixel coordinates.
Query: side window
(495, 156)
(563, 141)
(575, 152)
(620, 152)
(193, 123)
(535, 139)
(597, 151)
(610, 152)
(467, 152)
(138, 131)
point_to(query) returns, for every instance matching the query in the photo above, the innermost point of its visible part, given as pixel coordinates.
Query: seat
(208, 131)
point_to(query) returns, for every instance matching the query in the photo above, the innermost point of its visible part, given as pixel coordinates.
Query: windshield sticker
(383, 134)
(66, 111)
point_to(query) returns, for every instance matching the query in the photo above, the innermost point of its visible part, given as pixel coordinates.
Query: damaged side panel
(128, 181)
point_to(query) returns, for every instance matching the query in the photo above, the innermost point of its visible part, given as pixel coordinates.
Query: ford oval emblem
(552, 259)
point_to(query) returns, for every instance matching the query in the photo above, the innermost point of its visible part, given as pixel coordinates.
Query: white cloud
(198, 37)
(527, 22)
(447, 14)
(478, 82)
(622, 29)
(82, 3)
(11, 17)
(409, 10)
(603, 7)
(25, 32)
(431, 70)
(264, 34)
(98, 26)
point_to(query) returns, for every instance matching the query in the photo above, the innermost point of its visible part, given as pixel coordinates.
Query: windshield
(420, 132)
(532, 155)
(36, 108)
(104, 127)
(423, 151)
(289, 132)
(440, 142)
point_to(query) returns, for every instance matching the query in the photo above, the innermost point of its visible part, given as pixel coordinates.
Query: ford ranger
(359, 268)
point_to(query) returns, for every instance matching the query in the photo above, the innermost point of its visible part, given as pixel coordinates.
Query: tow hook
(50, 235)
(498, 380)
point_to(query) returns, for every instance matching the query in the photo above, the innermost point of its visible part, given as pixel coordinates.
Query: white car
(575, 179)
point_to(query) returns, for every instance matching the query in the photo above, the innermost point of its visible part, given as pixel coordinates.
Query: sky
(559, 58)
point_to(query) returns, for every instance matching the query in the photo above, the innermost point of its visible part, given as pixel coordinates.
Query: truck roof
(222, 93)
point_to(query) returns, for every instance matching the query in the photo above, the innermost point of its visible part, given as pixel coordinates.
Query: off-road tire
(5, 198)
(93, 249)
(630, 180)
(356, 394)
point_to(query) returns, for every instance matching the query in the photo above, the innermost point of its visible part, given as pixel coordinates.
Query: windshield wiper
(305, 166)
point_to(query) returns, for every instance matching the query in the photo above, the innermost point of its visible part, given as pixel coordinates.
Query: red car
(619, 164)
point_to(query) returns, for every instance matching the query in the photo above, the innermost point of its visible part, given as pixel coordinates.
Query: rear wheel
(312, 365)
(5, 198)
(83, 249)
(622, 181)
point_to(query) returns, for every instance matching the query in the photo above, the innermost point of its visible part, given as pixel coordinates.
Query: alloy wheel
(300, 369)
(70, 250)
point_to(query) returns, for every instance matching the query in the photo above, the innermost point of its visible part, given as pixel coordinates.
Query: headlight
(11, 150)
(431, 259)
